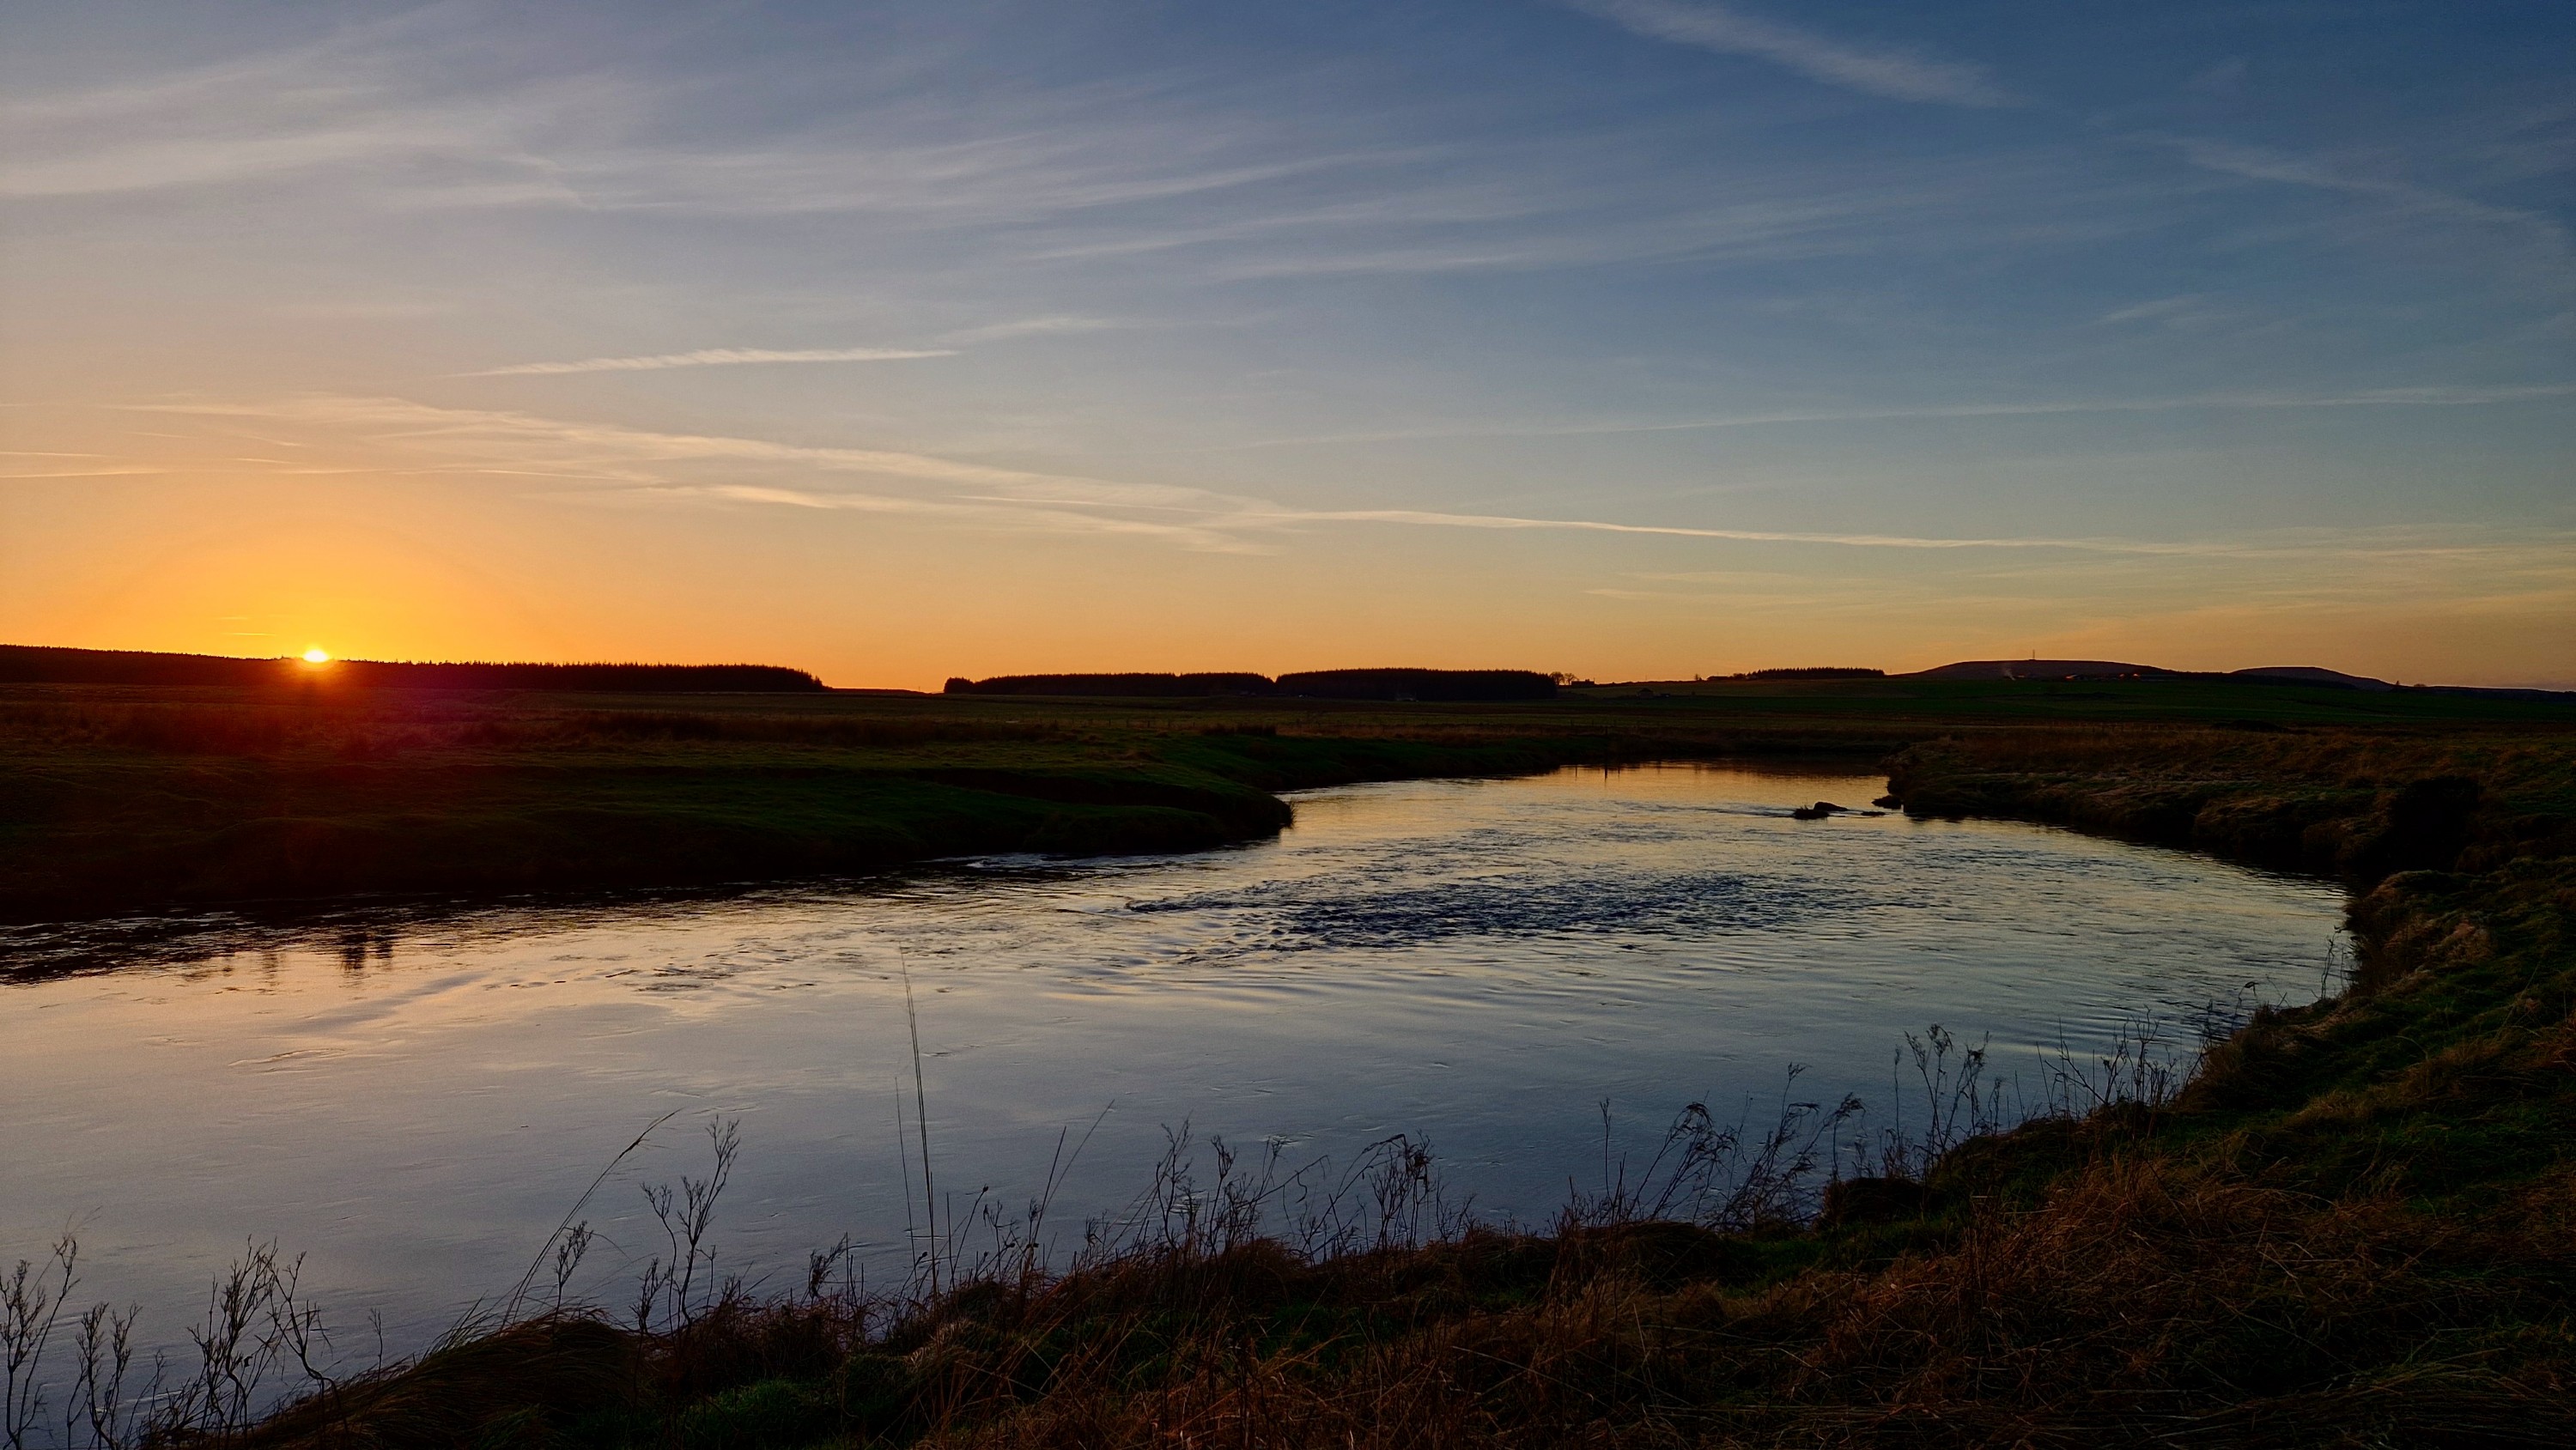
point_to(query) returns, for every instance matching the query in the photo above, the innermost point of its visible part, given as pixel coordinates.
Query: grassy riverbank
(2353, 1224)
(123, 801)
(131, 799)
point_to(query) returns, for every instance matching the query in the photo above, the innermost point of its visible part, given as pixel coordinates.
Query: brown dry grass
(2140, 1301)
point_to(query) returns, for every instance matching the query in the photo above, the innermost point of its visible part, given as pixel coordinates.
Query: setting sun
(317, 656)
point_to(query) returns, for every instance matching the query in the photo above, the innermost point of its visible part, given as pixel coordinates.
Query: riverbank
(2355, 804)
(2354, 1223)
(122, 800)
(136, 801)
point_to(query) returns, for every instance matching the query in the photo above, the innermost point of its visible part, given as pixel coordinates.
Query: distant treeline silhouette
(1131, 683)
(1419, 685)
(1814, 672)
(44, 665)
(1395, 684)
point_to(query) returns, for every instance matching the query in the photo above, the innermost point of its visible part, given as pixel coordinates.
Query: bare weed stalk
(921, 1116)
(1725, 1176)
(31, 1304)
(571, 1238)
(676, 1290)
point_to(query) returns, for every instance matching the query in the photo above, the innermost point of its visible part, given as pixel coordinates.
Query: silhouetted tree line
(45, 665)
(1131, 683)
(1395, 684)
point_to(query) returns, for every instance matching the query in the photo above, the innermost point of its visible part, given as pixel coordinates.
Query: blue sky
(1631, 337)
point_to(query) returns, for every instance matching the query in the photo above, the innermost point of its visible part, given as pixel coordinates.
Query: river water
(413, 1099)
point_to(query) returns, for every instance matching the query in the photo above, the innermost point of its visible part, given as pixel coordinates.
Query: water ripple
(1333, 913)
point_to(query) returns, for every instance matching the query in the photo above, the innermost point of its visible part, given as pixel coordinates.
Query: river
(413, 1098)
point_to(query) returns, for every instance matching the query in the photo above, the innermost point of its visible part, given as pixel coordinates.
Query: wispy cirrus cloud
(2518, 246)
(983, 511)
(2254, 163)
(1039, 327)
(2430, 395)
(425, 112)
(1075, 178)
(643, 467)
(2181, 308)
(367, 97)
(712, 357)
(399, 431)
(1896, 74)
(1744, 536)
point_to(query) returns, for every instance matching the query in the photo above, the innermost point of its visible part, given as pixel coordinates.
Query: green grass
(125, 799)
(116, 804)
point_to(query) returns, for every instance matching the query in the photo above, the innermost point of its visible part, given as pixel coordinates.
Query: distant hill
(22, 664)
(2314, 675)
(2038, 670)
(1387, 684)
(2311, 675)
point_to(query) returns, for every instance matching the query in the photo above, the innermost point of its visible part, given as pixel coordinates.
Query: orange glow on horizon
(431, 570)
(317, 656)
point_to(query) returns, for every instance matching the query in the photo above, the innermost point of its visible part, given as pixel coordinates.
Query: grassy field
(119, 801)
(129, 799)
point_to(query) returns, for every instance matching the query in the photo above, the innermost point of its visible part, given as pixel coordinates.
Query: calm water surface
(415, 1102)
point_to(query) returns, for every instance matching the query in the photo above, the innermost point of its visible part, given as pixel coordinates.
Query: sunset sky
(1633, 338)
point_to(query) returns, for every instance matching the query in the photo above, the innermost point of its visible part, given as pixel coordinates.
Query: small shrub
(770, 1415)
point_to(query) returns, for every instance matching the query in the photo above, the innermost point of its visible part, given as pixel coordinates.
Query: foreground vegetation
(2350, 1224)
